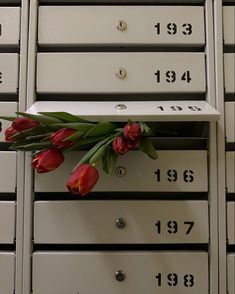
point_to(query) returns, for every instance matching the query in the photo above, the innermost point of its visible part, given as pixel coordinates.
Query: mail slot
(129, 25)
(229, 72)
(9, 72)
(125, 272)
(9, 26)
(230, 171)
(120, 222)
(179, 170)
(231, 222)
(228, 24)
(231, 273)
(7, 222)
(7, 270)
(230, 121)
(136, 72)
(7, 171)
(6, 109)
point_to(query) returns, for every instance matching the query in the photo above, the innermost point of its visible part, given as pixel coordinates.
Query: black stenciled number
(161, 108)
(172, 227)
(0, 29)
(158, 227)
(171, 76)
(172, 279)
(159, 279)
(0, 77)
(157, 173)
(188, 28)
(186, 77)
(194, 108)
(157, 74)
(171, 28)
(190, 226)
(158, 28)
(176, 108)
(172, 175)
(188, 176)
(189, 280)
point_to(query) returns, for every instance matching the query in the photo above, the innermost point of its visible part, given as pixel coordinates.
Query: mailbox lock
(120, 276)
(121, 106)
(121, 73)
(121, 25)
(120, 223)
(120, 171)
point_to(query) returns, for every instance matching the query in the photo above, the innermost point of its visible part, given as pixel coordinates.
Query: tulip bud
(83, 179)
(9, 133)
(58, 138)
(23, 123)
(47, 160)
(120, 145)
(132, 131)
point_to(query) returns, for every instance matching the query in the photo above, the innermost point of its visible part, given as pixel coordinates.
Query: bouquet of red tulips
(50, 134)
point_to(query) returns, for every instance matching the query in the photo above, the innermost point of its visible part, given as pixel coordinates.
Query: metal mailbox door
(9, 26)
(231, 273)
(125, 272)
(138, 72)
(71, 222)
(231, 222)
(7, 222)
(6, 109)
(230, 171)
(9, 72)
(7, 272)
(229, 72)
(228, 23)
(7, 175)
(130, 25)
(230, 121)
(173, 171)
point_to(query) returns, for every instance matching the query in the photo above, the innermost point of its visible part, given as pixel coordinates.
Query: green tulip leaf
(147, 147)
(32, 146)
(82, 127)
(42, 119)
(9, 118)
(109, 161)
(98, 154)
(100, 129)
(64, 116)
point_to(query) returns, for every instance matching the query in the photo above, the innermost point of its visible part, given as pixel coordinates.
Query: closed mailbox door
(110, 272)
(7, 270)
(8, 175)
(7, 222)
(120, 222)
(228, 22)
(180, 170)
(9, 26)
(231, 222)
(230, 121)
(6, 109)
(229, 72)
(9, 72)
(144, 25)
(231, 273)
(230, 171)
(134, 72)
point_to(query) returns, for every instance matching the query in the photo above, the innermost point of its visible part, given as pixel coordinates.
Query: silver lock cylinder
(121, 25)
(120, 276)
(120, 223)
(121, 73)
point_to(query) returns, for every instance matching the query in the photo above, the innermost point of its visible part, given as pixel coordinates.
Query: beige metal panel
(229, 72)
(7, 222)
(231, 222)
(94, 272)
(228, 25)
(121, 222)
(230, 171)
(230, 121)
(173, 171)
(6, 109)
(95, 25)
(9, 25)
(231, 273)
(144, 72)
(9, 63)
(7, 272)
(7, 171)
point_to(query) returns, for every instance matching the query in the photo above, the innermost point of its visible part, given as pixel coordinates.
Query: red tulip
(133, 144)
(9, 133)
(83, 179)
(23, 123)
(132, 131)
(47, 160)
(58, 138)
(120, 145)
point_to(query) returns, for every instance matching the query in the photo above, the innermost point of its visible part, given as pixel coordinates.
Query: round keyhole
(121, 25)
(120, 171)
(120, 223)
(121, 73)
(120, 276)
